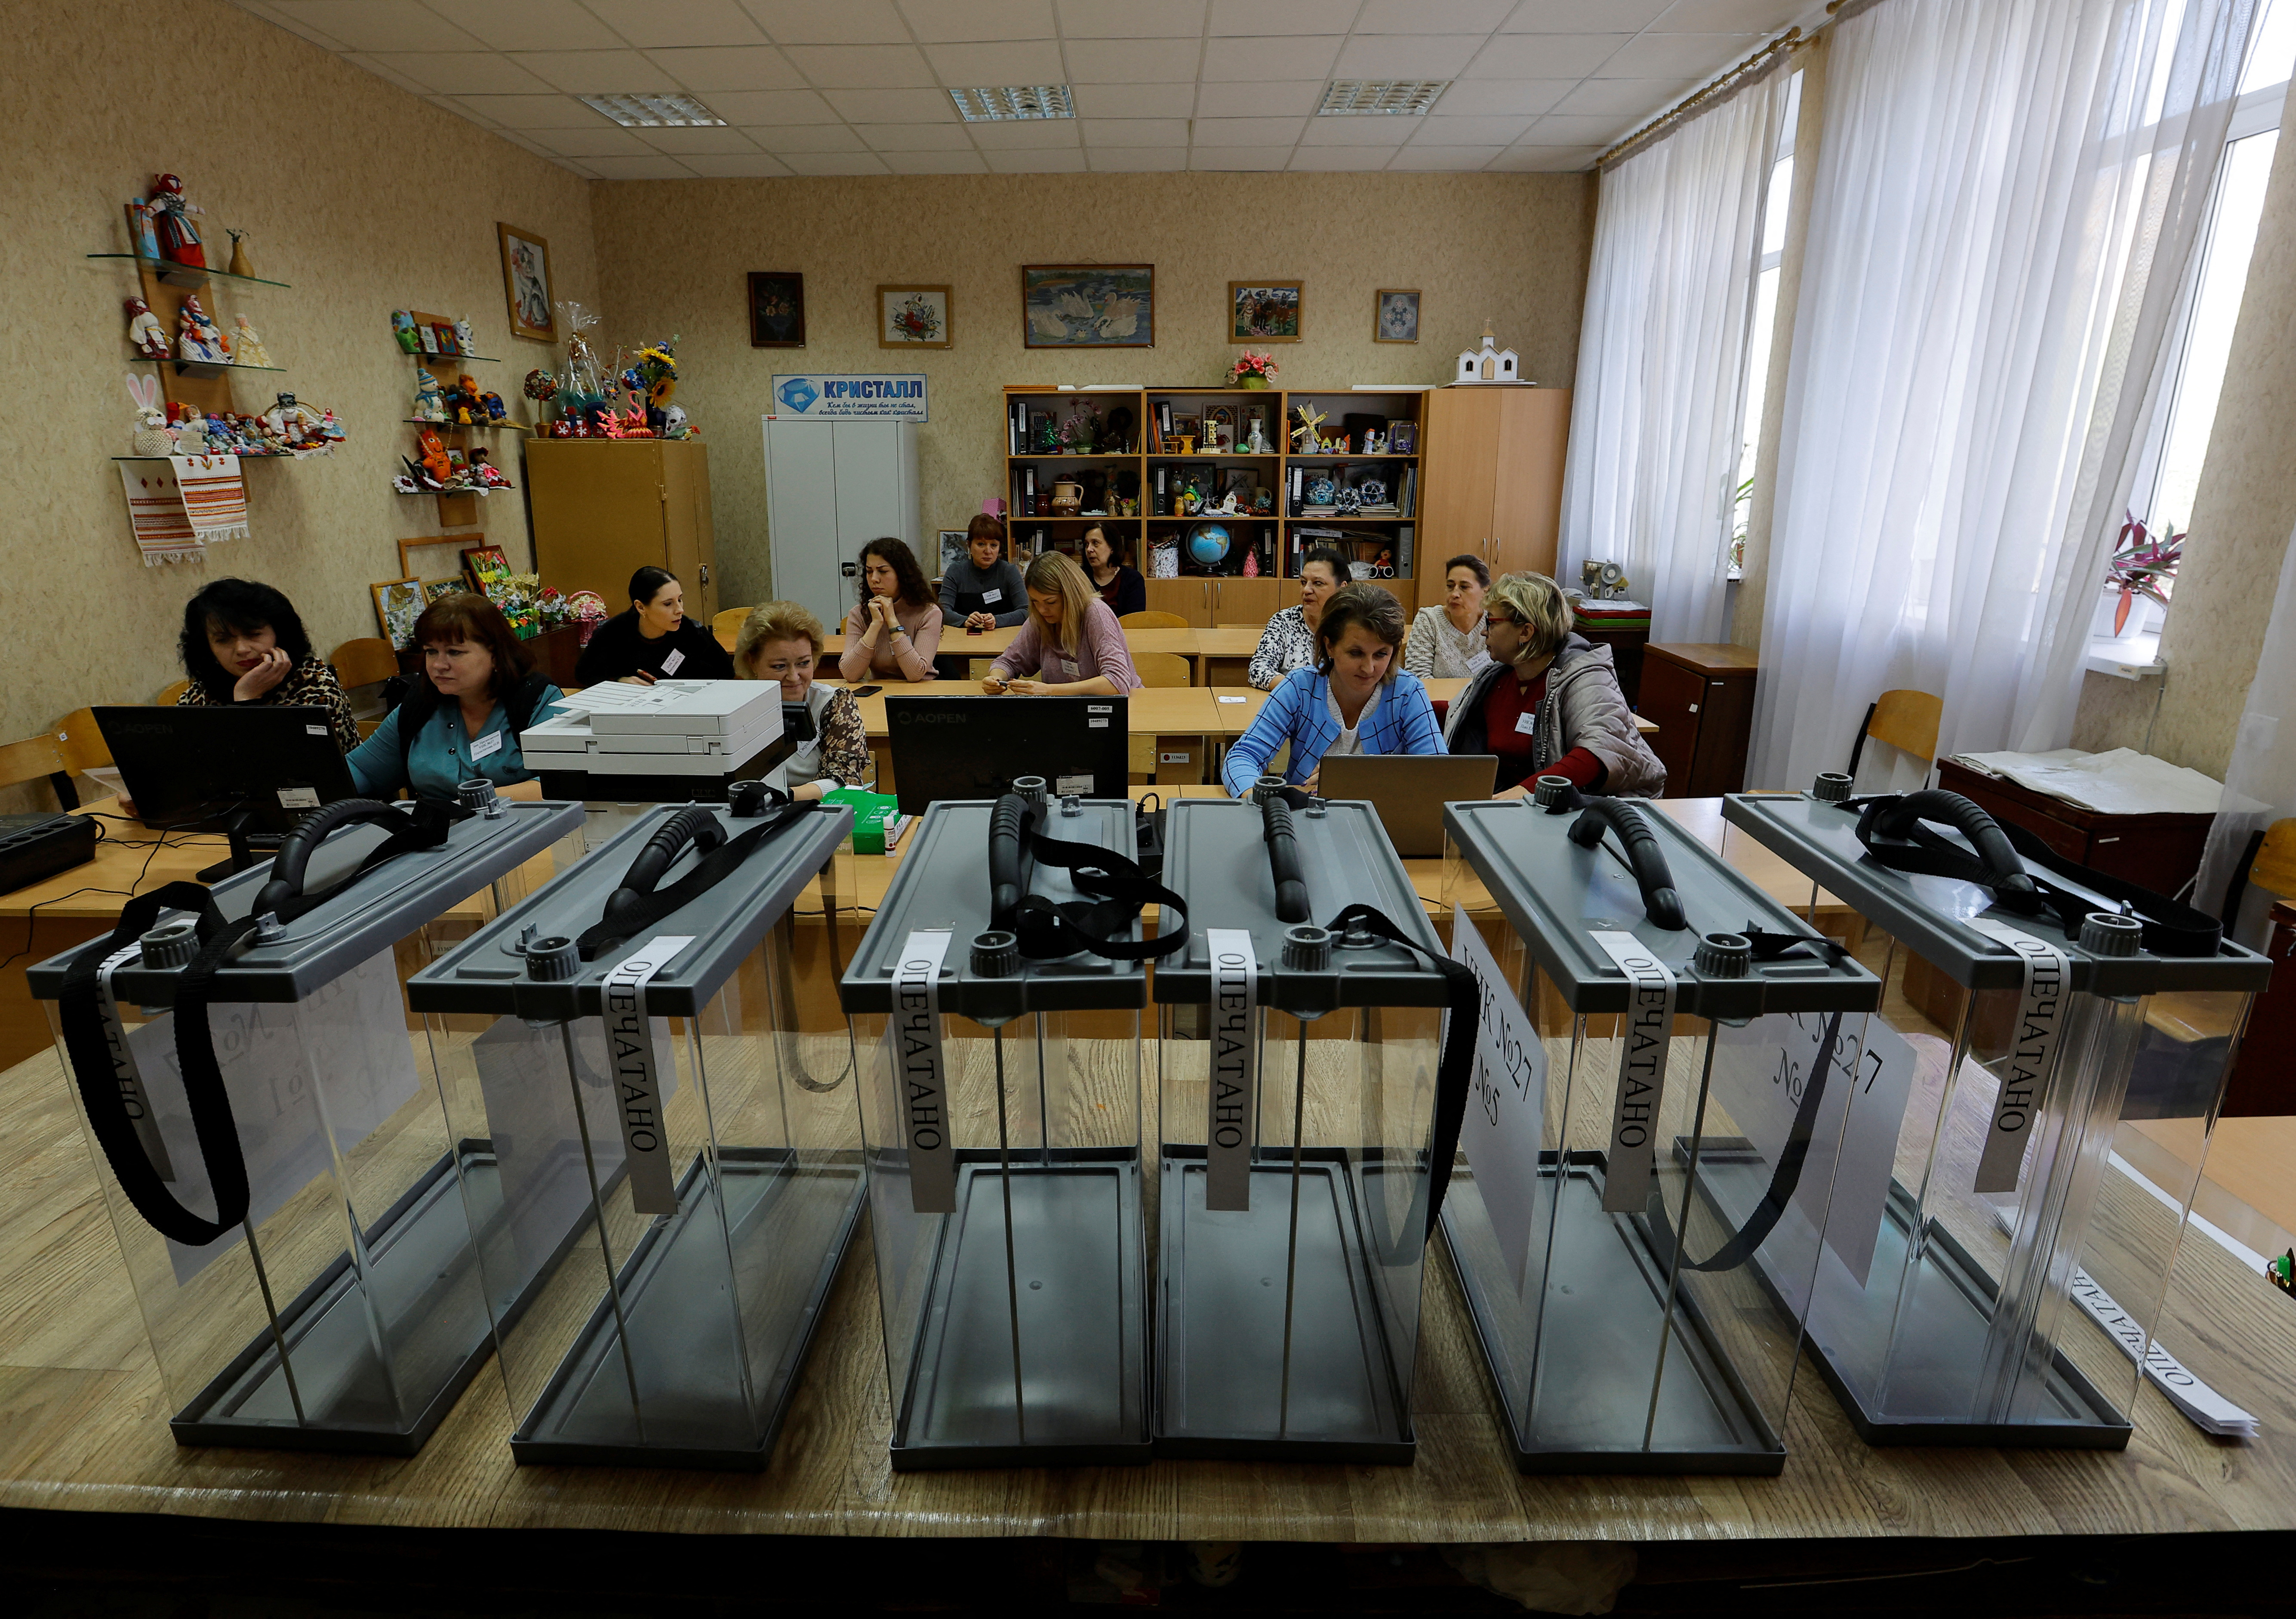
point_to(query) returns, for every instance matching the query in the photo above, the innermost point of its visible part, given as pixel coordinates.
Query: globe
(1208, 543)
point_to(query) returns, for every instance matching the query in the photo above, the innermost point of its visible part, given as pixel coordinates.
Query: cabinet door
(1247, 601)
(1404, 590)
(1671, 699)
(687, 535)
(1726, 729)
(802, 518)
(1534, 436)
(1458, 471)
(1191, 599)
(598, 514)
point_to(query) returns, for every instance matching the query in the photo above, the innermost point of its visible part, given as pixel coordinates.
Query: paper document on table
(2121, 782)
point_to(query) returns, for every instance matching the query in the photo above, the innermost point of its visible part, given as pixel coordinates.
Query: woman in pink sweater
(1072, 646)
(895, 630)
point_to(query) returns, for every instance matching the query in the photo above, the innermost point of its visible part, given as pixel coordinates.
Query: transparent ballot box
(284, 1192)
(1299, 1070)
(2038, 1098)
(1666, 1058)
(680, 1163)
(1000, 1104)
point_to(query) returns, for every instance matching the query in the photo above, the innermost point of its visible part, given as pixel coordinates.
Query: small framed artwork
(424, 542)
(526, 284)
(914, 317)
(777, 310)
(1219, 431)
(1242, 482)
(398, 603)
(443, 340)
(953, 547)
(1403, 439)
(1395, 315)
(1088, 306)
(433, 589)
(1264, 311)
(485, 566)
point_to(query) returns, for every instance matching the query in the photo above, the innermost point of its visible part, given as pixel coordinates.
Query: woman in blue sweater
(1354, 699)
(461, 720)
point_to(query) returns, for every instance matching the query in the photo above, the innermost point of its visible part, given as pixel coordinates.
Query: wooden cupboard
(1207, 602)
(1493, 486)
(1700, 696)
(601, 509)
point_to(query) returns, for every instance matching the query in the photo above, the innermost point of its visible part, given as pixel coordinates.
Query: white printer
(696, 733)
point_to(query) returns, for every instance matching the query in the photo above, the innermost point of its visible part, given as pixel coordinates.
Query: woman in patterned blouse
(243, 643)
(1289, 641)
(782, 641)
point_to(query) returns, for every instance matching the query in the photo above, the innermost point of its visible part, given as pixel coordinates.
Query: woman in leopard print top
(243, 643)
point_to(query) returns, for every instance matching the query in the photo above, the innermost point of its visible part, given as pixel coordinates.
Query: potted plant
(2143, 564)
(1252, 371)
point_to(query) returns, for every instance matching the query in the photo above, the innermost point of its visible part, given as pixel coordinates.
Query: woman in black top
(654, 640)
(1120, 585)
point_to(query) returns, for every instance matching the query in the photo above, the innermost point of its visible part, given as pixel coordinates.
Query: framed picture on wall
(398, 603)
(1088, 306)
(484, 566)
(526, 284)
(1264, 311)
(423, 542)
(953, 543)
(777, 310)
(1395, 315)
(914, 317)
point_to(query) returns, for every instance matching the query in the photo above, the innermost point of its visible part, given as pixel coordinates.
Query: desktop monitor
(975, 747)
(252, 772)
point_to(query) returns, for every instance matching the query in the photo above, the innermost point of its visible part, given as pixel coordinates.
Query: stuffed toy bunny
(152, 437)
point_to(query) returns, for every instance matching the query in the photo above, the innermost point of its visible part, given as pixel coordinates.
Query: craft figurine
(150, 436)
(490, 405)
(540, 385)
(146, 331)
(464, 339)
(485, 473)
(434, 454)
(463, 407)
(1257, 445)
(1310, 419)
(1374, 442)
(1252, 561)
(402, 327)
(429, 407)
(142, 234)
(179, 238)
(673, 422)
(249, 345)
(240, 265)
(199, 338)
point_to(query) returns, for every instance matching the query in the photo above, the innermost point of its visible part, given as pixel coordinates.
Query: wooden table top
(83, 1426)
(1227, 643)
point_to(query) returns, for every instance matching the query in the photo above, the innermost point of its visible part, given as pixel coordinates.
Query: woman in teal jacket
(475, 693)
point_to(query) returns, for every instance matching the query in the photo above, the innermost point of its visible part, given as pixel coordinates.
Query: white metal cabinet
(831, 487)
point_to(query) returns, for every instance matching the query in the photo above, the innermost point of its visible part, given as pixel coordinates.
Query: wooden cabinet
(603, 509)
(1404, 590)
(2162, 853)
(1492, 483)
(1205, 602)
(1700, 696)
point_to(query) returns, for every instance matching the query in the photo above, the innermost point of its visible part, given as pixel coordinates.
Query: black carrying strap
(1119, 886)
(1786, 1176)
(1891, 828)
(1453, 1073)
(639, 902)
(204, 1092)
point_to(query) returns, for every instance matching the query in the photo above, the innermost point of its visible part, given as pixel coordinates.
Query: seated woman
(1354, 700)
(895, 630)
(1120, 586)
(476, 692)
(1446, 638)
(1289, 641)
(243, 642)
(1548, 703)
(653, 640)
(981, 591)
(1072, 646)
(782, 641)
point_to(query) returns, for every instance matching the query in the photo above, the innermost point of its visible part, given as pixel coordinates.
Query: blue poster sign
(876, 399)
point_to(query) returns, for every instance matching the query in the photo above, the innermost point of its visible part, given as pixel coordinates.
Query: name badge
(484, 746)
(674, 662)
(1526, 723)
(988, 597)
(637, 1086)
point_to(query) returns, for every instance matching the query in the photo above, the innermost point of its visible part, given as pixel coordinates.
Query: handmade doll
(198, 337)
(150, 436)
(435, 460)
(429, 404)
(402, 327)
(146, 331)
(249, 348)
(179, 239)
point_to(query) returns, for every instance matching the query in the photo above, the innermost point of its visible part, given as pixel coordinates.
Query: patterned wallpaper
(675, 259)
(363, 197)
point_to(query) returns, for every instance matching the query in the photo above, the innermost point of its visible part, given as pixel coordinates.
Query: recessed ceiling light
(994, 103)
(1353, 97)
(652, 111)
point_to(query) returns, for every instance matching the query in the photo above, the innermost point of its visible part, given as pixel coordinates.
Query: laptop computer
(1408, 790)
(974, 747)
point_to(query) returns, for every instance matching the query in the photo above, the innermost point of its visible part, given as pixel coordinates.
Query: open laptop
(1408, 790)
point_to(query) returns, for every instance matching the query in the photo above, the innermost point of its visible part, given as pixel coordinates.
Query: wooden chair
(367, 660)
(1160, 668)
(167, 695)
(79, 744)
(33, 758)
(1153, 620)
(727, 627)
(1907, 720)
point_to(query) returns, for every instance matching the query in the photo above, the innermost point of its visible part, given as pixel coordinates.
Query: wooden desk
(955, 642)
(1237, 715)
(1226, 654)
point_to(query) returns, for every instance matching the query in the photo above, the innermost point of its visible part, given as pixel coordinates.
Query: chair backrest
(167, 695)
(1153, 620)
(727, 627)
(1907, 720)
(364, 661)
(80, 742)
(2273, 869)
(30, 760)
(1160, 668)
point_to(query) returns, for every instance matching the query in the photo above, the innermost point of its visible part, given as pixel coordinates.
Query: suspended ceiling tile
(702, 142)
(463, 72)
(666, 24)
(1135, 132)
(1291, 57)
(1263, 158)
(1131, 18)
(836, 162)
(1404, 56)
(829, 22)
(1036, 162)
(1583, 16)
(1349, 159)
(597, 72)
(1133, 61)
(1496, 129)
(1478, 17)
(1295, 98)
(1134, 100)
(935, 22)
(378, 25)
(806, 138)
(1136, 160)
(1283, 16)
(967, 162)
(1544, 55)
(914, 137)
(530, 25)
(743, 166)
(532, 111)
(860, 67)
(1463, 159)
(1248, 131)
(1032, 62)
(655, 168)
(705, 71)
(746, 107)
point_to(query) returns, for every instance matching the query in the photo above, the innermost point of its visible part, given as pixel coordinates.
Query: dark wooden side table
(1700, 696)
(1626, 648)
(2162, 852)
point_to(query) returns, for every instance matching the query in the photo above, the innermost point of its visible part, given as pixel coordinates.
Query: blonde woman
(1548, 703)
(1072, 646)
(782, 641)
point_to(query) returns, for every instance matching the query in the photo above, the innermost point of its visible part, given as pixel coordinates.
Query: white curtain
(2007, 194)
(1661, 380)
